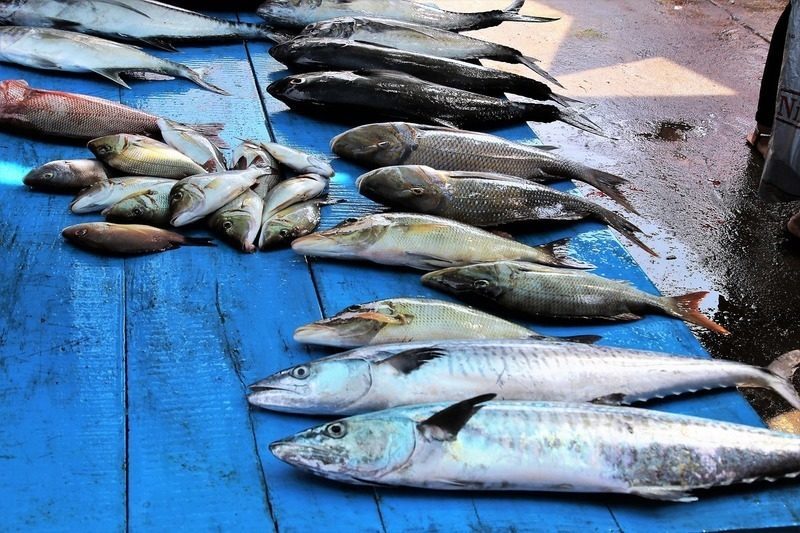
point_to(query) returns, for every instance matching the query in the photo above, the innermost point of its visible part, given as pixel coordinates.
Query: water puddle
(669, 131)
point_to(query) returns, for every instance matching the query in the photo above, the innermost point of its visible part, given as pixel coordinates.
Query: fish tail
(197, 241)
(211, 132)
(624, 226)
(574, 118)
(557, 254)
(531, 64)
(261, 32)
(190, 74)
(687, 308)
(511, 13)
(781, 371)
(565, 101)
(607, 183)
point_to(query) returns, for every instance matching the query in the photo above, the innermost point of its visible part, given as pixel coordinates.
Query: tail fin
(557, 254)
(511, 13)
(261, 32)
(194, 76)
(573, 118)
(686, 307)
(565, 101)
(783, 369)
(625, 227)
(210, 131)
(607, 183)
(531, 64)
(197, 241)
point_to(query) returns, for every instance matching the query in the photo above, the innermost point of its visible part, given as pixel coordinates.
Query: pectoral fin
(429, 261)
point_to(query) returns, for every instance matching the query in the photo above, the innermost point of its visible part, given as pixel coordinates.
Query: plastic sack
(780, 181)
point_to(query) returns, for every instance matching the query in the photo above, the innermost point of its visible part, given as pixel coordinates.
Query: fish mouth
(182, 219)
(306, 457)
(315, 244)
(314, 333)
(440, 280)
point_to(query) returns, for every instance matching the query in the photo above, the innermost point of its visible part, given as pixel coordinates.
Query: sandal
(758, 140)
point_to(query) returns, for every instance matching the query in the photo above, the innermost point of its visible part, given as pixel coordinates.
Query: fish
(404, 143)
(477, 444)
(66, 175)
(314, 54)
(420, 38)
(251, 154)
(51, 49)
(193, 144)
(104, 194)
(403, 373)
(365, 96)
(290, 223)
(142, 156)
(150, 207)
(239, 220)
(411, 320)
(142, 21)
(287, 193)
(298, 161)
(540, 291)
(195, 197)
(299, 13)
(483, 199)
(127, 239)
(424, 242)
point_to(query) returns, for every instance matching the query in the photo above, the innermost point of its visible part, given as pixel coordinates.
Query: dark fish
(67, 175)
(365, 96)
(127, 239)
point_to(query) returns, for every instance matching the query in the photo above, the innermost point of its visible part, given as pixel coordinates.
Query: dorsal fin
(446, 424)
(409, 360)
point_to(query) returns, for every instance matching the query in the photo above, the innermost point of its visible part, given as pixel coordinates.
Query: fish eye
(336, 430)
(353, 308)
(177, 195)
(227, 225)
(300, 372)
(284, 233)
(417, 191)
(383, 144)
(296, 81)
(103, 148)
(351, 220)
(81, 232)
(48, 175)
(137, 211)
(480, 284)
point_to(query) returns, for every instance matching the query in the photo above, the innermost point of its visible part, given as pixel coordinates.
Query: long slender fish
(419, 38)
(365, 96)
(553, 292)
(314, 54)
(51, 49)
(424, 242)
(392, 375)
(299, 13)
(483, 199)
(143, 21)
(541, 446)
(104, 194)
(127, 239)
(411, 320)
(134, 154)
(404, 143)
(66, 175)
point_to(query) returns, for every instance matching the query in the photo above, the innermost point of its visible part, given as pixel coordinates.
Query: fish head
(382, 144)
(280, 230)
(185, 200)
(305, 89)
(414, 187)
(91, 197)
(332, 385)
(50, 174)
(359, 449)
(87, 235)
(348, 239)
(137, 207)
(105, 147)
(249, 154)
(238, 226)
(13, 92)
(355, 326)
(338, 28)
(482, 279)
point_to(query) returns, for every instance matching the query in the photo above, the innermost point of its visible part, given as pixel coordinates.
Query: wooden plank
(62, 442)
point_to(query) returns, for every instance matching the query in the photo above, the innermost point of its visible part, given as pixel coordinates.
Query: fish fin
(444, 123)
(446, 424)
(211, 132)
(566, 101)
(429, 261)
(670, 494)
(112, 75)
(158, 43)
(610, 399)
(625, 317)
(123, 5)
(410, 360)
(531, 64)
(384, 319)
(195, 77)
(607, 183)
(576, 119)
(545, 147)
(503, 234)
(559, 255)
(511, 13)
(582, 339)
(783, 370)
(197, 241)
(624, 226)
(686, 307)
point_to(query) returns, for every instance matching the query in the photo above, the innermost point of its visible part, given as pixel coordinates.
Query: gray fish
(283, 196)
(403, 143)
(66, 175)
(251, 154)
(299, 13)
(150, 207)
(290, 223)
(537, 290)
(294, 191)
(483, 199)
(68, 51)
(540, 446)
(134, 154)
(104, 194)
(298, 161)
(127, 239)
(391, 375)
(192, 144)
(195, 197)
(239, 220)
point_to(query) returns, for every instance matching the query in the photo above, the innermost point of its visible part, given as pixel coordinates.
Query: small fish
(239, 220)
(424, 242)
(287, 193)
(150, 207)
(404, 143)
(541, 446)
(192, 144)
(52, 49)
(134, 154)
(251, 154)
(299, 13)
(127, 239)
(104, 194)
(290, 223)
(298, 161)
(66, 175)
(194, 197)
(551, 292)
(403, 373)
(410, 320)
(483, 199)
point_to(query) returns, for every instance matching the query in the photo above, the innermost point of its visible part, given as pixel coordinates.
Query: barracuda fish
(66, 175)
(134, 154)
(368, 95)
(424, 242)
(403, 143)
(127, 239)
(299, 13)
(540, 446)
(313, 54)
(193, 144)
(483, 199)
(68, 51)
(298, 161)
(104, 194)
(290, 223)
(541, 291)
(251, 154)
(411, 320)
(144, 21)
(419, 38)
(391, 375)
(150, 207)
(194, 197)
(239, 221)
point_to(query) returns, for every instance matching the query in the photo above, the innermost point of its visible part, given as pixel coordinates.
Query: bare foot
(793, 226)
(758, 139)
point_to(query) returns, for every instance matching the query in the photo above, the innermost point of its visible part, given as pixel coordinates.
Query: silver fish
(290, 223)
(192, 144)
(150, 207)
(539, 446)
(287, 193)
(104, 194)
(142, 156)
(195, 197)
(68, 51)
(251, 154)
(298, 161)
(391, 375)
(239, 220)
(66, 175)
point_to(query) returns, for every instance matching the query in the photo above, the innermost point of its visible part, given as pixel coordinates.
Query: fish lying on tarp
(66, 175)
(150, 207)
(193, 144)
(197, 196)
(106, 193)
(239, 220)
(127, 239)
